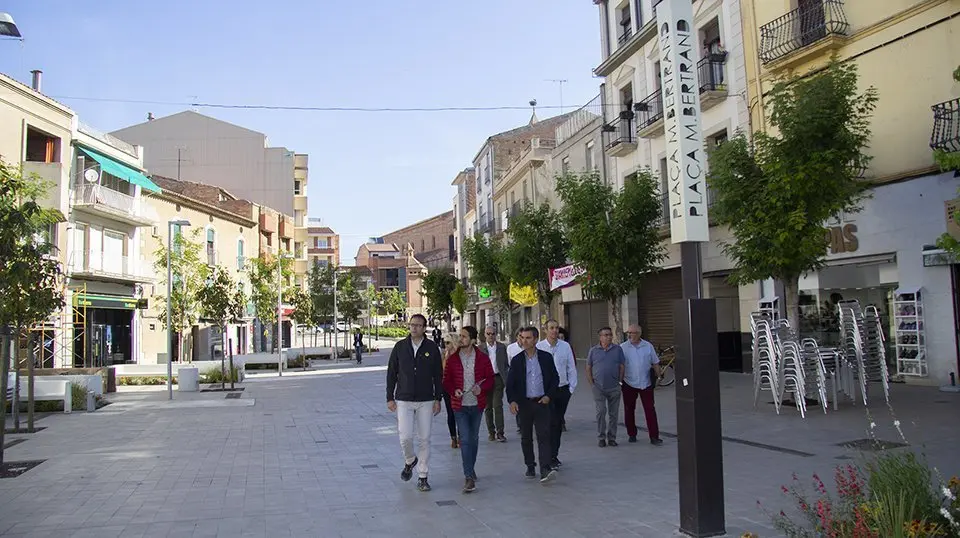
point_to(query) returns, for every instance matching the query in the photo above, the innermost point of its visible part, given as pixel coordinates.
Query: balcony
(485, 226)
(102, 201)
(286, 228)
(713, 83)
(268, 223)
(300, 202)
(621, 139)
(650, 115)
(663, 222)
(108, 139)
(625, 35)
(946, 126)
(321, 250)
(100, 266)
(814, 29)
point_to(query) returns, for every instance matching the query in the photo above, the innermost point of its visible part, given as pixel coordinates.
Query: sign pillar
(700, 452)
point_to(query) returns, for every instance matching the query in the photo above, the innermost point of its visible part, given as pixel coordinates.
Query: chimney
(149, 116)
(37, 76)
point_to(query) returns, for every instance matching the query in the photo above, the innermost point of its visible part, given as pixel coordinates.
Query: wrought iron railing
(664, 219)
(579, 119)
(624, 35)
(650, 109)
(620, 132)
(710, 71)
(810, 23)
(946, 126)
(109, 139)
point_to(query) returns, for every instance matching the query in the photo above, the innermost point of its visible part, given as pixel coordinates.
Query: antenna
(560, 82)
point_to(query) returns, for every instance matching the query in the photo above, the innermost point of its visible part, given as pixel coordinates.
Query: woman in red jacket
(468, 378)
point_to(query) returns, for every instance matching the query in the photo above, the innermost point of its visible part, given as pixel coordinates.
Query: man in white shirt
(567, 369)
(513, 350)
(501, 363)
(640, 358)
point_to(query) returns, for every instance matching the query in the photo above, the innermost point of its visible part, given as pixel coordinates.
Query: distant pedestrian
(500, 361)
(450, 346)
(358, 345)
(640, 358)
(468, 378)
(566, 365)
(605, 366)
(531, 386)
(414, 391)
(437, 335)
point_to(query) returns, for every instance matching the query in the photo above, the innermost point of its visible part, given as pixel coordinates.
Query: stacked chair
(862, 345)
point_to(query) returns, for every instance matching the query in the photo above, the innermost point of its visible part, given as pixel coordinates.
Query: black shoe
(501, 438)
(469, 486)
(407, 471)
(612, 442)
(602, 443)
(656, 441)
(632, 439)
(423, 485)
(531, 472)
(546, 475)
(556, 463)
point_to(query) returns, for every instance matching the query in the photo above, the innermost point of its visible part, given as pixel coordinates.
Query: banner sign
(563, 277)
(686, 157)
(523, 295)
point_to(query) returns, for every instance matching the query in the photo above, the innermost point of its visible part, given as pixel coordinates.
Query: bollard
(91, 402)
(953, 379)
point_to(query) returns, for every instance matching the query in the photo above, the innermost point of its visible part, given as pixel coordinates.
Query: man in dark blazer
(532, 383)
(497, 352)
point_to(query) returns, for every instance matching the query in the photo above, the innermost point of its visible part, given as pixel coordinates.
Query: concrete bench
(45, 389)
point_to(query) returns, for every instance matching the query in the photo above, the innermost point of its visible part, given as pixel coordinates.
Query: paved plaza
(317, 454)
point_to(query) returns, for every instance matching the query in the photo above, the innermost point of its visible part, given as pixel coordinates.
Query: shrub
(215, 375)
(901, 475)
(387, 332)
(137, 380)
(78, 396)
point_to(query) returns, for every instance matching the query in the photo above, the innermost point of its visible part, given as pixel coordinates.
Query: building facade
(323, 245)
(432, 240)
(464, 201)
(889, 245)
(395, 267)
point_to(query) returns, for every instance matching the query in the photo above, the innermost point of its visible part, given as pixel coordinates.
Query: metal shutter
(584, 320)
(655, 306)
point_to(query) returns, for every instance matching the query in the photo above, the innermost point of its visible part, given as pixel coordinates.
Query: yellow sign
(523, 295)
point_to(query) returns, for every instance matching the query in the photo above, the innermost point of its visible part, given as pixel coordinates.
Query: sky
(370, 173)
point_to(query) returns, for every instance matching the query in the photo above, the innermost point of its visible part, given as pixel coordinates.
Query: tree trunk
(31, 405)
(791, 289)
(303, 353)
(4, 371)
(231, 369)
(223, 358)
(615, 308)
(16, 380)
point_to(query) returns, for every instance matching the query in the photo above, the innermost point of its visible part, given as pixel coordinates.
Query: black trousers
(535, 416)
(451, 419)
(557, 414)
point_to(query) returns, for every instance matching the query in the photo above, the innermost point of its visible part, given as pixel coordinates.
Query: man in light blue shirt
(567, 369)
(640, 358)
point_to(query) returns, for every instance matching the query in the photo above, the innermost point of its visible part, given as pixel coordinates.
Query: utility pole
(559, 82)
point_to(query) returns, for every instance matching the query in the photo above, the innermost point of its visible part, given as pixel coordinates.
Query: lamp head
(8, 28)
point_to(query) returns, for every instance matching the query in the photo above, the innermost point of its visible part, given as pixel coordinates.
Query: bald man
(640, 358)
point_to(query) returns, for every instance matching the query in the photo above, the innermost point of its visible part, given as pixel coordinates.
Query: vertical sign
(686, 157)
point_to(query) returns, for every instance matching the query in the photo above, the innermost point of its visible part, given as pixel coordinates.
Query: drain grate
(446, 503)
(871, 445)
(233, 396)
(13, 469)
(370, 466)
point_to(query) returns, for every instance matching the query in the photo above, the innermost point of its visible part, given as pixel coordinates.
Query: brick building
(431, 239)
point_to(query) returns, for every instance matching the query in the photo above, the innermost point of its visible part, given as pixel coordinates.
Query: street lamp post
(182, 223)
(335, 355)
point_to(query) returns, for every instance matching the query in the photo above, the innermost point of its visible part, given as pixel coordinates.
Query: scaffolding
(61, 341)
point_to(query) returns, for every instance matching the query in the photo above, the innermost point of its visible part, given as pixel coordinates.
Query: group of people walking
(538, 378)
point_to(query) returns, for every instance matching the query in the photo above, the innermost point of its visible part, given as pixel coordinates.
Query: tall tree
(394, 303)
(437, 287)
(31, 276)
(374, 299)
(458, 298)
(537, 244)
(613, 234)
(486, 260)
(222, 301)
(320, 291)
(304, 317)
(777, 193)
(190, 274)
(265, 285)
(350, 302)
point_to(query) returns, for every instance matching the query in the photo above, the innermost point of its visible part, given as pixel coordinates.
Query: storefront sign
(483, 293)
(565, 276)
(109, 301)
(841, 239)
(686, 158)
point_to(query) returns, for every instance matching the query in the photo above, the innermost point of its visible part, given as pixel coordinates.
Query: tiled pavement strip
(317, 455)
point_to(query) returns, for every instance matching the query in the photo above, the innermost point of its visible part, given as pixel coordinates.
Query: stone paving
(316, 454)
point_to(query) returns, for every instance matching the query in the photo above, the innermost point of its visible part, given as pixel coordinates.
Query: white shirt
(492, 353)
(416, 345)
(638, 361)
(563, 359)
(513, 350)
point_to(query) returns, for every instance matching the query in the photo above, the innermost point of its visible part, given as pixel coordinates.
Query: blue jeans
(468, 425)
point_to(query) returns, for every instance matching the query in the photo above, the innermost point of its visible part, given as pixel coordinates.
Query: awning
(108, 301)
(121, 170)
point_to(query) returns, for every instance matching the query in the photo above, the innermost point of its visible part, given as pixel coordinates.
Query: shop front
(105, 329)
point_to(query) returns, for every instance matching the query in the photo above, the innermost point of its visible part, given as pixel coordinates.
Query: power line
(236, 106)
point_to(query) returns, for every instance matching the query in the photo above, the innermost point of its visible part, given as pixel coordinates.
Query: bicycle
(667, 356)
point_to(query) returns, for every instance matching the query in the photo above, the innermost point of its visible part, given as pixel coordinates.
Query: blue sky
(370, 173)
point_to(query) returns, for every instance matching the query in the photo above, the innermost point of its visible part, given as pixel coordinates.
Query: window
(298, 249)
(114, 183)
(657, 76)
(177, 234)
(298, 218)
(296, 187)
(434, 243)
(565, 165)
(240, 259)
(590, 157)
(211, 247)
(717, 140)
(42, 147)
(513, 198)
(423, 245)
(524, 190)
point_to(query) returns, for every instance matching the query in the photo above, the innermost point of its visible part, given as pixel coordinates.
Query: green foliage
(320, 292)
(302, 309)
(350, 300)
(190, 274)
(373, 297)
(777, 193)
(537, 244)
(902, 475)
(221, 301)
(458, 298)
(613, 235)
(138, 380)
(437, 289)
(387, 332)
(221, 376)
(30, 273)
(265, 283)
(486, 260)
(394, 302)
(949, 161)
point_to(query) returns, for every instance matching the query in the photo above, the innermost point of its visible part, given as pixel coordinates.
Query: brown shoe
(454, 442)
(469, 485)
(491, 437)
